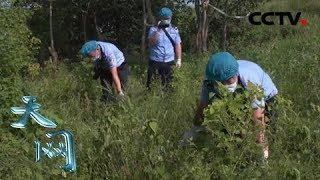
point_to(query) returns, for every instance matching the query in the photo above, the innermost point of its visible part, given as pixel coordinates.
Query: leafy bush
(17, 50)
(231, 148)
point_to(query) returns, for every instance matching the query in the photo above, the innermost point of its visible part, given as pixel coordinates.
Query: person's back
(250, 71)
(111, 53)
(109, 66)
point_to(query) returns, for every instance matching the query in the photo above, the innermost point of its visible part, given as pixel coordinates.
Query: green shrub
(17, 49)
(231, 147)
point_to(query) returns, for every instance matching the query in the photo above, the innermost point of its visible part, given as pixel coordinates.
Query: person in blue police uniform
(165, 47)
(109, 65)
(235, 75)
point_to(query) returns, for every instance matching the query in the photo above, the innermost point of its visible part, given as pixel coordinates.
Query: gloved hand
(191, 135)
(121, 94)
(264, 158)
(197, 129)
(258, 104)
(178, 63)
(266, 152)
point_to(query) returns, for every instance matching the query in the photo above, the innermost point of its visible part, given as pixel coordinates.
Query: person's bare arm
(178, 50)
(116, 79)
(178, 54)
(198, 119)
(259, 121)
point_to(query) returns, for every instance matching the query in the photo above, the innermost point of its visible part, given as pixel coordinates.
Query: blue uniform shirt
(163, 50)
(248, 71)
(111, 54)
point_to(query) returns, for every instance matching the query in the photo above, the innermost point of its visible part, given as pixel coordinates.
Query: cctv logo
(258, 18)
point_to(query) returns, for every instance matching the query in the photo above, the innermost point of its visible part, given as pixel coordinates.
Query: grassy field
(138, 138)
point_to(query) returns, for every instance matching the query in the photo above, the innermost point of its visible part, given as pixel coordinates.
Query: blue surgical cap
(88, 47)
(221, 67)
(165, 13)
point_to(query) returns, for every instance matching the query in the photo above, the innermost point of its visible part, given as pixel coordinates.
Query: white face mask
(97, 55)
(166, 21)
(96, 58)
(232, 87)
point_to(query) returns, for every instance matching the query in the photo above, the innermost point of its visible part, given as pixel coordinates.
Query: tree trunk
(53, 52)
(151, 18)
(225, 34)
(143, 35)
(148, 18)
(98, 29)
(197, 9)
(204, 33)
(84, 20)
(202, 24)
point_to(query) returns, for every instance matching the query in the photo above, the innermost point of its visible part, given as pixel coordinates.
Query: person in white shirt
(223, 67)
(109, 65)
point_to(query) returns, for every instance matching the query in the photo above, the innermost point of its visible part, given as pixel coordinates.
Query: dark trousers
(270, 105)
(107, 81)
(165, 71)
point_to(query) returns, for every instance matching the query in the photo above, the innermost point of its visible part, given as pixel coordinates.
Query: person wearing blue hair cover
(164, 47)
(109, 65)
(233, 74)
